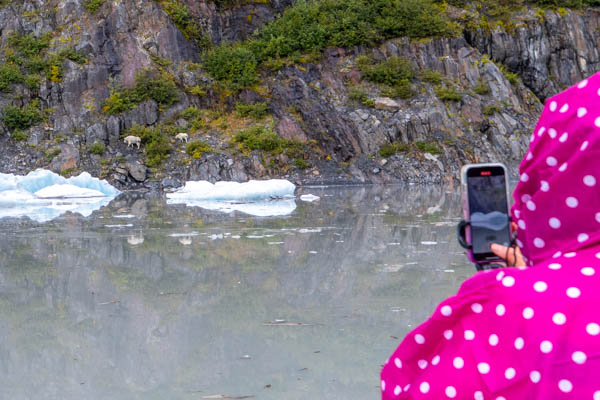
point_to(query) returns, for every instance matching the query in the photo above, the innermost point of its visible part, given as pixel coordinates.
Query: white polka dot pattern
(593, 329)
(535, 376)
(526, 331)
(450, 392)
(458, 362)
(559, 318)
(546, 346)
(519, 343)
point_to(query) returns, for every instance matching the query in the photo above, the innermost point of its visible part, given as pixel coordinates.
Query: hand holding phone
(485, 206)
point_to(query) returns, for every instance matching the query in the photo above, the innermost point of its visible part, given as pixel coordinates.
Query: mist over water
(145, 300)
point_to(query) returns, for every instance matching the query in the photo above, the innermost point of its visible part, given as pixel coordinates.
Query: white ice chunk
(66, 191)
(43, 195)
(309, 197)
(254, 197)
(252, 190)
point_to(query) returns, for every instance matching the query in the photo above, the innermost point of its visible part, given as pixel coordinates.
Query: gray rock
(170, 183)
(387, 104)
(137, 171)
(148, 111)
(113, 128)
(289, 129)
(68, 159)
(96, 134)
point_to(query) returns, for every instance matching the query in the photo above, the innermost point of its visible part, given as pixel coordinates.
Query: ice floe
(259, 198)
(309, 198)
(43, 195)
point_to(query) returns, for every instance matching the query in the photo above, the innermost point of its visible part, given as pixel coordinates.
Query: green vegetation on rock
(256, 110)
(449, 93)
(30, 54)
(311, 26)
(396, 73)
(93, 5)
(96, 148)
(9, 74)
(428, 147)
(181, 16)
(266, 139)
(197, 148)
(19, 135)
(389, 149)
(234, 65)
(156, 143)
(15, 117)
(149, 85)
(481, 88)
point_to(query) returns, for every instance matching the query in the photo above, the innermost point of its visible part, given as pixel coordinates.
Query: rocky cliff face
(311, 103)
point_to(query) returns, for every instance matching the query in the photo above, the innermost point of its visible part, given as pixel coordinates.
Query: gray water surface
(148, 301)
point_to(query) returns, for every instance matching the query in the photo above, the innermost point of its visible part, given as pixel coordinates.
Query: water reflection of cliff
(170, 302)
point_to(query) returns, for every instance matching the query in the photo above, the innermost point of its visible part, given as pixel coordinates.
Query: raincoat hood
(557, 200)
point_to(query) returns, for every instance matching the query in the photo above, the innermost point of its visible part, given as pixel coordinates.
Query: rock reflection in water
(175, 305)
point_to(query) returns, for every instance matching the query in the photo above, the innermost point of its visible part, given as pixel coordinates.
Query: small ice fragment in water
(313, 252)
(308, 230)
(448, 270)
(275, 242)
(255, 237)
(427, 243)
(235, 236)
(124, 216)
(309, 198)
(119, 226)
(134, 240)
(245, 357)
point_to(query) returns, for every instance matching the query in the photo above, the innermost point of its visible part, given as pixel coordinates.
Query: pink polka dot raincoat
(526, 333)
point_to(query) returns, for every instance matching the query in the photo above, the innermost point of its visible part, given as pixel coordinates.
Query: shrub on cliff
(266, 139)
(9, 74)
(388, 72)
(256, 110)
(93, 5)
(197, 148)
(311, 26)
(181, 16)
(149, 85)
(395, 72)
(234, 65)
(158, 87)
(15, 117)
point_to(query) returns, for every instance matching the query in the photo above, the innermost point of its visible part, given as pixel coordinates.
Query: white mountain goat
(131, 140)
(183, 137)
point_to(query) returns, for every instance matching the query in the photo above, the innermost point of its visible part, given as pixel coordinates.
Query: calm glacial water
(148, 301)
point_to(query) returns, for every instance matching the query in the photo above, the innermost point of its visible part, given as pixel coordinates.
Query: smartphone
(485, 205)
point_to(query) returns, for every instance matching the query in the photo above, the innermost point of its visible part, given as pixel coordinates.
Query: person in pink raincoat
(527, 332)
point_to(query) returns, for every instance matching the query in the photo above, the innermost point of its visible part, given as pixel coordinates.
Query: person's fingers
(520, 261)
(513, 256)
(514, 226)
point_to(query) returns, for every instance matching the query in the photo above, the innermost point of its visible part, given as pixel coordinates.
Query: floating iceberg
(309, 198)
(43, 195)
(259, 198)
